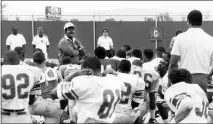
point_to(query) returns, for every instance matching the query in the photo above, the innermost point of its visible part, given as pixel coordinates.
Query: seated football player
(46, 105)
(95, 95)
(132, 91)
(100, 52)
(188, 101)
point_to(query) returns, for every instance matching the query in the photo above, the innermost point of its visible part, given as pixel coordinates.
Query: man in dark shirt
(70, 46)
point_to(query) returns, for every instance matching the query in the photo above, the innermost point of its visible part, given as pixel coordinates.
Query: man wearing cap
(69, 46)
(105, 41)
(41, 41)
(15, 40)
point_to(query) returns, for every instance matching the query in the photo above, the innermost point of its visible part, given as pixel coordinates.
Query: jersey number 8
(107, 103)
(8, 83)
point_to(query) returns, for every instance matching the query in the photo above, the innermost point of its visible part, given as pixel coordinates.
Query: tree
(149, 19)
(164, 17)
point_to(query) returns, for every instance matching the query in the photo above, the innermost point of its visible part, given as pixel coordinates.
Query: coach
(106, 42)
(70, 46)
(15, 40)
(194, 50)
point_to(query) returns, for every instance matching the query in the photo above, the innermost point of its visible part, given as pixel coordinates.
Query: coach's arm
(67, 48)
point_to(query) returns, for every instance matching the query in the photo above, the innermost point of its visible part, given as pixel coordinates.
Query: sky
(108, 7)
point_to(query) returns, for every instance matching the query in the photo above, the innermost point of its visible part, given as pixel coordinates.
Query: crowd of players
(132, 86)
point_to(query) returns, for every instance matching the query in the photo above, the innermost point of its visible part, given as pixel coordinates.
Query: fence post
(94, 43)
(156, 25)
(32, 28)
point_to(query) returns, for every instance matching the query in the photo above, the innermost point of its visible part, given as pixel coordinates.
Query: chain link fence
(161, 17)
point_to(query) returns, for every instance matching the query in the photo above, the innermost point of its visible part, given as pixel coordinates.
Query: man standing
(41, 41)
(105, 41)
(15, 40)
(70, 46)
(173, 39)
(195, 48)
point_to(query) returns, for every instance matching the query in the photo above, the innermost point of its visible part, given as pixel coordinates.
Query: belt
(9, 112)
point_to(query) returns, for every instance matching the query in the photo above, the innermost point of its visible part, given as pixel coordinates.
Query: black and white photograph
(127, 62)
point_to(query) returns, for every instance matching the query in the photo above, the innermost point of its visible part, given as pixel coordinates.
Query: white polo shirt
(15, 41)
(195, 48)
(105, 42)
(41, 43)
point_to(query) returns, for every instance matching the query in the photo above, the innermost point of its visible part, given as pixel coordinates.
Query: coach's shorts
(46, 107)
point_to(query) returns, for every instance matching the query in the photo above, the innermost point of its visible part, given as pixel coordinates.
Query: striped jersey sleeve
(139, 96)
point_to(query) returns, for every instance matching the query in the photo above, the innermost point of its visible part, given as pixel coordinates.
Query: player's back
(180, 93)
(151, 78)
(109, 63)
(17, 82)
(97, 97)
(132, 89)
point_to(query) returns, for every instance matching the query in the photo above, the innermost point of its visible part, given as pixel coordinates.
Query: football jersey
(71, 69)
(132, 90)
(178, 94)
(68, 68)
(96, 97)
(17, 82)
(48, 81)
(109, 63)
(151, 78)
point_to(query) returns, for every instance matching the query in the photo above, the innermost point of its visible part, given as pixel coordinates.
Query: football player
(46, 105)
(132, 91)
(16, 84)
(162, 69)
(95, 96)
(152, 80)
(188, 101)
(100, 52)
(136, 55)
(120, 54)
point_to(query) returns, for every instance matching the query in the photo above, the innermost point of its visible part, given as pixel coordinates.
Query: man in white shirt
(105, 41)
(41, 41)
(15, 40)
(173, 39)
(194, 50)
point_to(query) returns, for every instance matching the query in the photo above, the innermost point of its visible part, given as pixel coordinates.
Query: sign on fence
(156, 33)
(53, 12)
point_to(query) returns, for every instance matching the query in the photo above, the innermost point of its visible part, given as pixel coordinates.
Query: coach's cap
(69, 24)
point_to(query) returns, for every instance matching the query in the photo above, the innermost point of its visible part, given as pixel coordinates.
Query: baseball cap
(69, 24)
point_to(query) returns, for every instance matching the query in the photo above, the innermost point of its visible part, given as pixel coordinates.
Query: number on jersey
(202, 111)
(147, 80)
(105, 108)
(125, 95)
(8, 83)
(177, 99)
